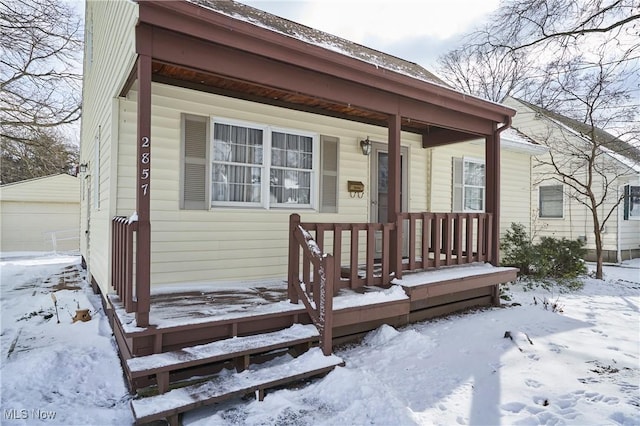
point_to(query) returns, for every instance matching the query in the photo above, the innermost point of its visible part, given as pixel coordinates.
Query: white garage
(41, 214)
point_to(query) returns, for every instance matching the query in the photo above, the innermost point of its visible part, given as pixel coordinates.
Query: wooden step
(256, 379)
(237, 349)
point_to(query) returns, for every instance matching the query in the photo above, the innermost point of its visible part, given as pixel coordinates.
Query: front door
(380, 186)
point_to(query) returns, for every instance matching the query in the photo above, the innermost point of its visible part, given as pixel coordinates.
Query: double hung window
(468, 185)
(631, 202)
(250, 165)
(551, 201)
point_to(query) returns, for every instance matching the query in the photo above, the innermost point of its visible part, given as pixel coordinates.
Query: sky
(416, 30)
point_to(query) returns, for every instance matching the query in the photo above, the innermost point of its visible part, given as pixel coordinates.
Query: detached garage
(41, 214)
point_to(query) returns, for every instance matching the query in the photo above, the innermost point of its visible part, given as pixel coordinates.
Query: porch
(423, 265)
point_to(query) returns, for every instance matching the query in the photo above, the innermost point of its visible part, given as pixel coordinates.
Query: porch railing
(364, 252)
(443, 239)
(315, 285)
(122, 265)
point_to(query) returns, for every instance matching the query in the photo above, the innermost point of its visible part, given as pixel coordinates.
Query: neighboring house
(226, 146)
(556, 211)
(41, 214)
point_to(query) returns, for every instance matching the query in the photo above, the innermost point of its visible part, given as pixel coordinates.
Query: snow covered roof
(624, 152)
(319, 38)
(515, 140)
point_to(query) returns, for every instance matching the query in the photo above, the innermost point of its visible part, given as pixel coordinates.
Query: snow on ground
(578, 366)
(56, 373)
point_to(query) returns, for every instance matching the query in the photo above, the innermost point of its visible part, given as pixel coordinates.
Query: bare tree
(491, 74)
(512, 52)
(40, 73)
(587, 160)
(525, 24)
(27, 161)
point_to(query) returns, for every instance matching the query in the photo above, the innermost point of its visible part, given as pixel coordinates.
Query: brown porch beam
(439, 137)
(394, 189)
(143, 189)
(169, 47)
(210, 25)
(492, 202)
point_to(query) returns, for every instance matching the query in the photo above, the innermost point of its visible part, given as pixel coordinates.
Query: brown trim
(394, 188)
(168, 47)
(438, 137)
(210, 25)
(128, 84)
(268, 101)
(143, 190)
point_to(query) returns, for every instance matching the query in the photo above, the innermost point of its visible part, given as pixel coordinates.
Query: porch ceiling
(208, 82)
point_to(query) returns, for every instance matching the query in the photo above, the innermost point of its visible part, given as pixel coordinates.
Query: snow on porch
(449, 273)
(179, 305)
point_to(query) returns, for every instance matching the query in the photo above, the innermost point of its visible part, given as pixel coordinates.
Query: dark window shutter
(627, 196)
(328, 174)
(195, 163)
(457, 186)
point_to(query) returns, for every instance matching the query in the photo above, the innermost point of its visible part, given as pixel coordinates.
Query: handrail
(315, 291)
(122, 265)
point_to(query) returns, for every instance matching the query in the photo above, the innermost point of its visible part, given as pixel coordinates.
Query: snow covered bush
(548, 263)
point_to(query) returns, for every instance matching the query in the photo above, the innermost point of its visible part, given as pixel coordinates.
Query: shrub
(517, 249)
(552, 261)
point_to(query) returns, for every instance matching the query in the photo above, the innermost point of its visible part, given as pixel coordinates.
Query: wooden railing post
(326, 305)
(293, 276)
(395, 248)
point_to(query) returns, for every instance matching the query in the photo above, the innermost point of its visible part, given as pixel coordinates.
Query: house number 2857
(145, 158)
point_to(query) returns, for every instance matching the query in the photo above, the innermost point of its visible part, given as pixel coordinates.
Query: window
(631, 202)
(468, 185)
(551, 200)
(255, 166)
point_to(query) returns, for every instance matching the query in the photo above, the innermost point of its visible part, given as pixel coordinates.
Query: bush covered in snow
(550, 262)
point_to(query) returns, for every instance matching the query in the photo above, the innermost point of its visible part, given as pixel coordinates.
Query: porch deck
(202, 314)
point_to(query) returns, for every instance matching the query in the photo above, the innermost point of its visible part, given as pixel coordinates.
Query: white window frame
(466, 160)
(627, 204)
(540, 202)
(265, 198)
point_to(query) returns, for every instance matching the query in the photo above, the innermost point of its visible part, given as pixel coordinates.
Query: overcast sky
(416, 30)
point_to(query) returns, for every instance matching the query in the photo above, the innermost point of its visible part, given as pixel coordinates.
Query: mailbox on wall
(355, 188)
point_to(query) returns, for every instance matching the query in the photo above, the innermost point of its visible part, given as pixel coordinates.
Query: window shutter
(328, 174)
(195, 163)
(627, 204)
(457, 185)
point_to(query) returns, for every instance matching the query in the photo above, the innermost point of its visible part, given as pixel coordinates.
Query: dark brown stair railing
(314, 289)
(122, 265)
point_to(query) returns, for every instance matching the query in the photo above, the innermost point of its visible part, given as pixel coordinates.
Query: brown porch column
(492, 185)
(143, 246)
(395, 186)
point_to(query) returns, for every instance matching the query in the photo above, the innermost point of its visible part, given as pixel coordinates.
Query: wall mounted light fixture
(82, 168)
(365, 145)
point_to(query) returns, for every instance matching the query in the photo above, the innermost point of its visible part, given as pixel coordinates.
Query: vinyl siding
(32, 209)
(514, 181)
(231, 244)
(110, 38)
(577, 220)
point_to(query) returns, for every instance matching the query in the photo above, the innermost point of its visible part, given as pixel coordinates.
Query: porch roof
(271, 60)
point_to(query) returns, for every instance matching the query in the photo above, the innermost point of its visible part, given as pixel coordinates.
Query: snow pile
(578, 366)
(56, 373)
